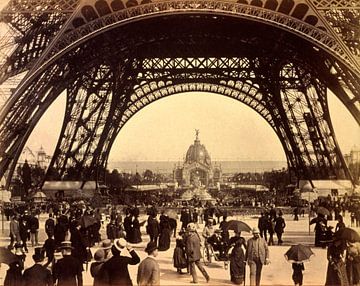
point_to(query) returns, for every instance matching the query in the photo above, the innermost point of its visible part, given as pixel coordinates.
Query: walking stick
(244, 274)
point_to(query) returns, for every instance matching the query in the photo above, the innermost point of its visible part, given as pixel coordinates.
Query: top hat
(150, 247)
(120, 243)
(39, 254)
(106, 244)
(66, 244)
(255, 230)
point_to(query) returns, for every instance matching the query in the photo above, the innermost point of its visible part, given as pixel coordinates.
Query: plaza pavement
(278, 272)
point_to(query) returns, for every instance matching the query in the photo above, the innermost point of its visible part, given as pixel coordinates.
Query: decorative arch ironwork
(105, 86)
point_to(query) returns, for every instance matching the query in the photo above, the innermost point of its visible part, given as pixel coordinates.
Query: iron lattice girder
(314, 33)
(156, 88)
(40, 20)
(110, 50)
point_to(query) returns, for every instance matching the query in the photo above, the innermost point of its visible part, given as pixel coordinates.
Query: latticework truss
(114, 57)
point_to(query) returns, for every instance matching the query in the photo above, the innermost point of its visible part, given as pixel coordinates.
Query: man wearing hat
(257, 254)
(149, 271)
(116, 268)
(68, 270)
(106, 246)
(192, 246)
(38, 275)
(96, 270)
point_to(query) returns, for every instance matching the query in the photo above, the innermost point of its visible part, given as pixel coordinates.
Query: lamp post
(309, 212)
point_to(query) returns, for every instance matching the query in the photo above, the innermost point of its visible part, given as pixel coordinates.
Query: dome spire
(197, 131)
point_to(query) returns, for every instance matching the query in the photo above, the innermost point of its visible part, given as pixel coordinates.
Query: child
(297, 274)
(179, 255)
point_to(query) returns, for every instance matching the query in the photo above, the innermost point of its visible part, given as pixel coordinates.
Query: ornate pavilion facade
(197, 169)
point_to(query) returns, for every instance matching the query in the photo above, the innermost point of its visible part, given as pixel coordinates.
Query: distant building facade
(353, 161)
(197, 169)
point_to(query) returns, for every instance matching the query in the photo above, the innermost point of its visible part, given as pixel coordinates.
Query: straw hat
(120, 243)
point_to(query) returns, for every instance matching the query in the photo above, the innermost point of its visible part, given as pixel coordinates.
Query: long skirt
(237, 265)
(135, 235)
(353, 271)
(179, 258)
(336, 274)
(164, 239)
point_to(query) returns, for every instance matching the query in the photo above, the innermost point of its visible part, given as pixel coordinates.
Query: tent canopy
(68, 185)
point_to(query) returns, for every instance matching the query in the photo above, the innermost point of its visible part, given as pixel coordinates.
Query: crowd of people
(72, 230)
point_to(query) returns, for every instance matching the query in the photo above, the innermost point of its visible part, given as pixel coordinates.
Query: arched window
(117, 5)
(286, 6)
(89, 13)
(257, 3)
(312, 20)
(300, 11)
(271, 4)
(102, 7)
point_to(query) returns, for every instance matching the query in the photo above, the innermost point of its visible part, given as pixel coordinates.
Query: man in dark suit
(279, 227)
(149, 270)
(38, 275)
(153, 227)
(257, 254)
(78, 242)
(192, 246)
(116, 268)
(68, 270)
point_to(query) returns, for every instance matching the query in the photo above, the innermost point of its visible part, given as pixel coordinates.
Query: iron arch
(181, 62)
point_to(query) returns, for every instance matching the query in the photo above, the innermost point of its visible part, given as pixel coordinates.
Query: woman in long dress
(179, 256)
(135, 233)
(353, 263)
(165, 233)
(336, 271)
(237, 261)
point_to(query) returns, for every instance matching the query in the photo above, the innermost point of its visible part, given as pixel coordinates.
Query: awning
(68, 185)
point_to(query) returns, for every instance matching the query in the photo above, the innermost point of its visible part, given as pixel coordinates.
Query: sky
(163, 130)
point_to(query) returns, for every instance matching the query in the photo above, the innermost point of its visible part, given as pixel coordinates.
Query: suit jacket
(153, 227)
(116, 269)
(37, 275)
(252, 251)
(192, 246)
(15, 229)
(68, 271)
(148, 272)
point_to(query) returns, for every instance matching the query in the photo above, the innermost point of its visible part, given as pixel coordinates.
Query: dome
(197, 153)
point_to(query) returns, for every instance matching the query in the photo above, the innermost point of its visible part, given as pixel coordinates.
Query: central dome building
(197, 169)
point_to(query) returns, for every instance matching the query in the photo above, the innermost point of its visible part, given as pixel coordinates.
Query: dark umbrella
(317, 219)
(323, 211)
(348, 234)
(6, 256)
(298, 253)
(237, 226)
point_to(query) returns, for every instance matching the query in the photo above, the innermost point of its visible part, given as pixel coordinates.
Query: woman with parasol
(297, 255)
(352, 239)
(336, 271)
(237, 259)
